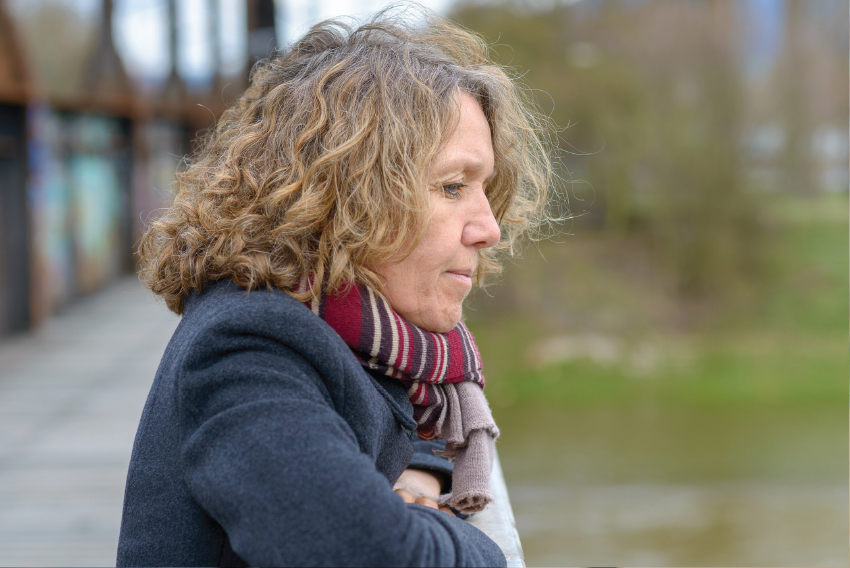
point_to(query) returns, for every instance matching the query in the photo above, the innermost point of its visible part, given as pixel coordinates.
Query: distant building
(87, 153)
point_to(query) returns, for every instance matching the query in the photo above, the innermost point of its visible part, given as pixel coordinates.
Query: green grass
(782, 342)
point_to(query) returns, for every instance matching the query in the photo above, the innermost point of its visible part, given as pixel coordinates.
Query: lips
(467, 273)
(463, 277)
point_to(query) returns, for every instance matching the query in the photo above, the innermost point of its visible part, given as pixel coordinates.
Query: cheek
(413, 284)
(421, 277)
(428, 261)
(440, 245)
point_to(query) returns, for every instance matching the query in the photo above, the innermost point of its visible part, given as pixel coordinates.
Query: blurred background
(668, 367)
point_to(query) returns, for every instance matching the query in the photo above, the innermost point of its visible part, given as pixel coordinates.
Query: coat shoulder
(224, 308)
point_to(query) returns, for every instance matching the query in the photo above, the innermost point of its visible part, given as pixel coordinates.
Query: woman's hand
(420, 487)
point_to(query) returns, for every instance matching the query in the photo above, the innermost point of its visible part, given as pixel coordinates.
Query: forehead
(468, 148)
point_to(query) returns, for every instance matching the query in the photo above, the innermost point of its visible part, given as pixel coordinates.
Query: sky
(766, 19)
(297, 16)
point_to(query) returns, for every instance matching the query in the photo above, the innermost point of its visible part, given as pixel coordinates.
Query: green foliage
(789, 349)
(651, 125)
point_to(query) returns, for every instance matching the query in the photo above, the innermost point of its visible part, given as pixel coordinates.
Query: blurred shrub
(650, 96)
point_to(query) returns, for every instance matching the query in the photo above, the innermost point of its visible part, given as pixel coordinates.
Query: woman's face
(427, 288)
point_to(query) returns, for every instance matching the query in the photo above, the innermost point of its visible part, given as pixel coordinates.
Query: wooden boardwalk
(70, 399)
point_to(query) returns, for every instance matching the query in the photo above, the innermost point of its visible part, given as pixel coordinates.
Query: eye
(452, 190)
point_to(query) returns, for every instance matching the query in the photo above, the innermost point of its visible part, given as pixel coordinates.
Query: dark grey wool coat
(263, 442)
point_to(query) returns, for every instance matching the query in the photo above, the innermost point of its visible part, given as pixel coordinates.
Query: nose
(481, 231)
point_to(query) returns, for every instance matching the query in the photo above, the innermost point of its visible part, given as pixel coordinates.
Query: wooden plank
(497, 521)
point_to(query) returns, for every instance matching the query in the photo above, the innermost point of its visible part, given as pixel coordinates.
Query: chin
(444, 323)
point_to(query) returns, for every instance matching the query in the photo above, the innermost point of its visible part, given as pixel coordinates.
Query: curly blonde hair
(321, 166)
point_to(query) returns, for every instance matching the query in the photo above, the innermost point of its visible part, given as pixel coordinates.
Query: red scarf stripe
(344, 317)
(456, 364)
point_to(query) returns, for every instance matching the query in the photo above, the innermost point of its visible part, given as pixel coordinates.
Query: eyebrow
(465, 166)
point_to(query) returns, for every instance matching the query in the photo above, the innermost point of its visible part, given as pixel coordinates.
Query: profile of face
(428, 287)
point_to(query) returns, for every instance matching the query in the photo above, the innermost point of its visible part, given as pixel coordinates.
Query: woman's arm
(270, 459)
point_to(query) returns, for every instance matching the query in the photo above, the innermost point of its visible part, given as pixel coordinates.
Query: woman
(319, 249)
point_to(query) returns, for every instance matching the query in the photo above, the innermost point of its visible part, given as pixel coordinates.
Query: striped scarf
(421, 360)
(442, 375)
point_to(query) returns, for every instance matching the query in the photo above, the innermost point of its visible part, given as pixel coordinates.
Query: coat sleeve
(424, 458)
(266, 455)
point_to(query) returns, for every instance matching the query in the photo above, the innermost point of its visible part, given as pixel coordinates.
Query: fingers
(429, 501)
(410, 497)
(420, 481)
(407, 496)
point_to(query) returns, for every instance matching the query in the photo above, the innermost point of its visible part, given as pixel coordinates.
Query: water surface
(662, 486)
